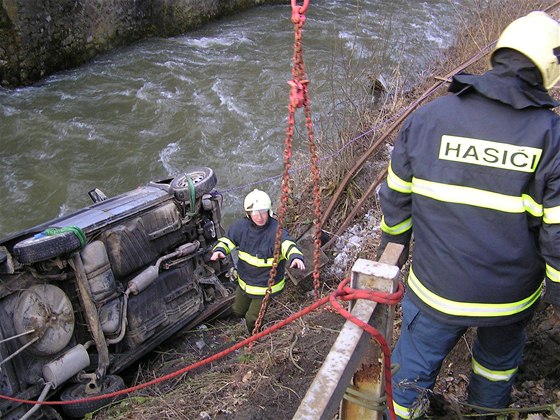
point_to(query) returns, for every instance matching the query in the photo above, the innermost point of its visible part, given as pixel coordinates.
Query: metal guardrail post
(354, 358)
(364, 398)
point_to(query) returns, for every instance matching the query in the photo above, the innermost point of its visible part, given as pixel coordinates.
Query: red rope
(186, 369)
(342, 292)
(381, 297)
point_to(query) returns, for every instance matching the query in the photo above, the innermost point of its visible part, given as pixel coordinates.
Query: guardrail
(351, 380)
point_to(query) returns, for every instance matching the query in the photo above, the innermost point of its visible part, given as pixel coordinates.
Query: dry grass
(220, 391)
(482, 22)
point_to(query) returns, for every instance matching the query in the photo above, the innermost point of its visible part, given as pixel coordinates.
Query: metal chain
(299, 97)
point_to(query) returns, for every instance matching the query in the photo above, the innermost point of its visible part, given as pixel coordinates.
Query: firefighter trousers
(246, 307)
(424, 343)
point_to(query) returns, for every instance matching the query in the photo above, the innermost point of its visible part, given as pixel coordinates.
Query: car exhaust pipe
(143, 280)
(150, 274)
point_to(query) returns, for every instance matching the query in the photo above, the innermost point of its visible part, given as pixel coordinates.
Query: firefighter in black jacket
(476, 174)
(254, 238)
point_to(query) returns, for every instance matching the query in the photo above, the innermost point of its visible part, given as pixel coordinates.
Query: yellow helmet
(257, 200)
(536, 36)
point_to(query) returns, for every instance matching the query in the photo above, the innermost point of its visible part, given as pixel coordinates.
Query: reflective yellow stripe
(492, 375)
(452, 307)
(254, 261)
(552, 215)
(225, 243)
(552, 274)
(261, 291)
(396, 183)
(531, 206)
(475, 197)
(404, 412)
(286, 245)
(397, 229)
(400, 410)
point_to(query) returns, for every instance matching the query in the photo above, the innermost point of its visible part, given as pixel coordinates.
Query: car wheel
(42, 248)
(203, 179)
(111, 383)
(49, 413)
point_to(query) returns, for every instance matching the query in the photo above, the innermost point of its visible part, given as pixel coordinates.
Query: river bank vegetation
(269, 381)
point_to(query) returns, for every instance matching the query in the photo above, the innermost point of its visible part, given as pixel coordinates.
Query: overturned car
(86, 295)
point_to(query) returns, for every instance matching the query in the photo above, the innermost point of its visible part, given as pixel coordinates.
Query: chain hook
(298, 12)
(301, 9)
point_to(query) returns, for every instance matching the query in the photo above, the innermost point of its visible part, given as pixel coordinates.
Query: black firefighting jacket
(476, 176)
(255, 246)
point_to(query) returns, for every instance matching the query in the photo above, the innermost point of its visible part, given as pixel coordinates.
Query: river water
(213, 97)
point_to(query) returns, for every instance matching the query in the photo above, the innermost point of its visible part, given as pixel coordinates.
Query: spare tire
(42, 248)
(111, 383)
(203, 179)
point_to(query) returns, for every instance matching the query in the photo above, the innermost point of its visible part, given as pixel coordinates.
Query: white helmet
(257, 200)
(536, 36)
